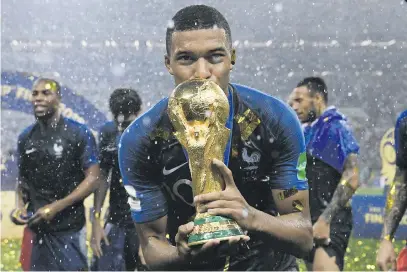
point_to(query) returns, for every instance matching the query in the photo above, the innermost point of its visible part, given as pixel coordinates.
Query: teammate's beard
(312, 114)
(48, 115)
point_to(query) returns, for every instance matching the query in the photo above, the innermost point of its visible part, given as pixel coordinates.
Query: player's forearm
(341, 196)
(84, 189)
(396, 204)
(160, 255)
(291, 232)
(19, 195)
(345, 189)
(100, 192)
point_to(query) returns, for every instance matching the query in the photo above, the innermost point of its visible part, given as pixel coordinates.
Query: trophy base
(208, 227)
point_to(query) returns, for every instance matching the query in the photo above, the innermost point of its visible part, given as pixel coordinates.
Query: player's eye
(216, 58)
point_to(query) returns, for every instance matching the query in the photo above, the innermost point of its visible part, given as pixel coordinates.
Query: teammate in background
(119, 249)
(332, 172)
(58, 166)
(396, 203)
(265, 175)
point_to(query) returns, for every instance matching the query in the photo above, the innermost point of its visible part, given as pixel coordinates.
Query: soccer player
(58, 164)
(266, 191)
(396, 203)
(119, 248)
(331, 171)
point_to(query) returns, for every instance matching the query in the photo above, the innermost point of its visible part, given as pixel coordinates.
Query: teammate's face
(45, 100)
(303, 104)
(203, 53)
(124, 120)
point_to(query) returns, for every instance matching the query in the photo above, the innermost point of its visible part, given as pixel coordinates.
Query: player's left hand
(46, 213)
(229, 202)
(322, 232)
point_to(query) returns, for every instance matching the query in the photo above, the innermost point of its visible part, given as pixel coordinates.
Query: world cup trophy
(198, 110)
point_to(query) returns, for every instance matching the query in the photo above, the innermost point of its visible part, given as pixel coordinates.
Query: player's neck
(50, 122)
(321, 110)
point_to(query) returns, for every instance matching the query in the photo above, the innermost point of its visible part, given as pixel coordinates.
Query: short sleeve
(138, 160)
(287, 157)
(89, 154)
(400, 135)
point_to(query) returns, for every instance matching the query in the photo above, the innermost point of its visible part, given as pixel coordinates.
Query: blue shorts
(122, 253)
(59, 251)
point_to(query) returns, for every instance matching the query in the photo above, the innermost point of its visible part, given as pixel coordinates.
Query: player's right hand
(98, 233)
(19, 216)
(386, 256)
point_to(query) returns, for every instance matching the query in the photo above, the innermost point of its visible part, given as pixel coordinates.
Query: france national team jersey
(119, 209)
(400, 134)
(268, 152)
(52, 165)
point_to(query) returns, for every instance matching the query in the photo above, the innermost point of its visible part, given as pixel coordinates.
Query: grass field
(361, 255)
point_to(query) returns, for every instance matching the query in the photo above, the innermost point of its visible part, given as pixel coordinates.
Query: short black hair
(124, 101)
(197, 17)
(315, 85)
(54, 85)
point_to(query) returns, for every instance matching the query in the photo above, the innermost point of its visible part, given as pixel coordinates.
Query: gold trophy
(198, 110)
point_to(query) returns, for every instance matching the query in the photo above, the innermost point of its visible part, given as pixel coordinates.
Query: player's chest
(247, 163)
(49, 149)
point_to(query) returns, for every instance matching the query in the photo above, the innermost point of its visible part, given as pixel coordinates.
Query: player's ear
(167, 62)
(232, 58)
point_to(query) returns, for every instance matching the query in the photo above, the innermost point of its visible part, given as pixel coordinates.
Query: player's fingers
(183, 231)
(230, 213)
(205, 248)
(238, 239)
(225, 172)
(105, 239)
(394, 264)
(218, 204)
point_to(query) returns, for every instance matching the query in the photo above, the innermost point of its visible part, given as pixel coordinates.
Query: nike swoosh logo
(29, 151)
(172, 170)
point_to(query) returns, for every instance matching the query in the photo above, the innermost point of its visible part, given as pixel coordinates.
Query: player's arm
(105, 164)
(19, 202)
(292, 230)
(344, 191)
(396, 204)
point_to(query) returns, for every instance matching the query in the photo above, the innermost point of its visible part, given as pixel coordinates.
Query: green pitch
(361, 255)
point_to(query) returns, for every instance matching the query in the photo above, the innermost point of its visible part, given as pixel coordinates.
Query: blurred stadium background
(94, 46)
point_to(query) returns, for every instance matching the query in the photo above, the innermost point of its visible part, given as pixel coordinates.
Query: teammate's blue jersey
(268, 152)
(400, 135)
(52, 165)
(119, 209)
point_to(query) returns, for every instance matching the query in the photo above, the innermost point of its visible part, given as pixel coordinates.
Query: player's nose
(202, 69)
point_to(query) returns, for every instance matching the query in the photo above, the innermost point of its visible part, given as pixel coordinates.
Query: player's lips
(40, 108)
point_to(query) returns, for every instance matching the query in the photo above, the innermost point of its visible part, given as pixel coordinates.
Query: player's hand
(321, 231)
(98, 233)
(46, 213)
(229, 202)
(204, 252)
(386, 257)
(19, 216)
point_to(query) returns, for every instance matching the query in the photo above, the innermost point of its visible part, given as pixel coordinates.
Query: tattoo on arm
(345, 189)
(396, 205)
